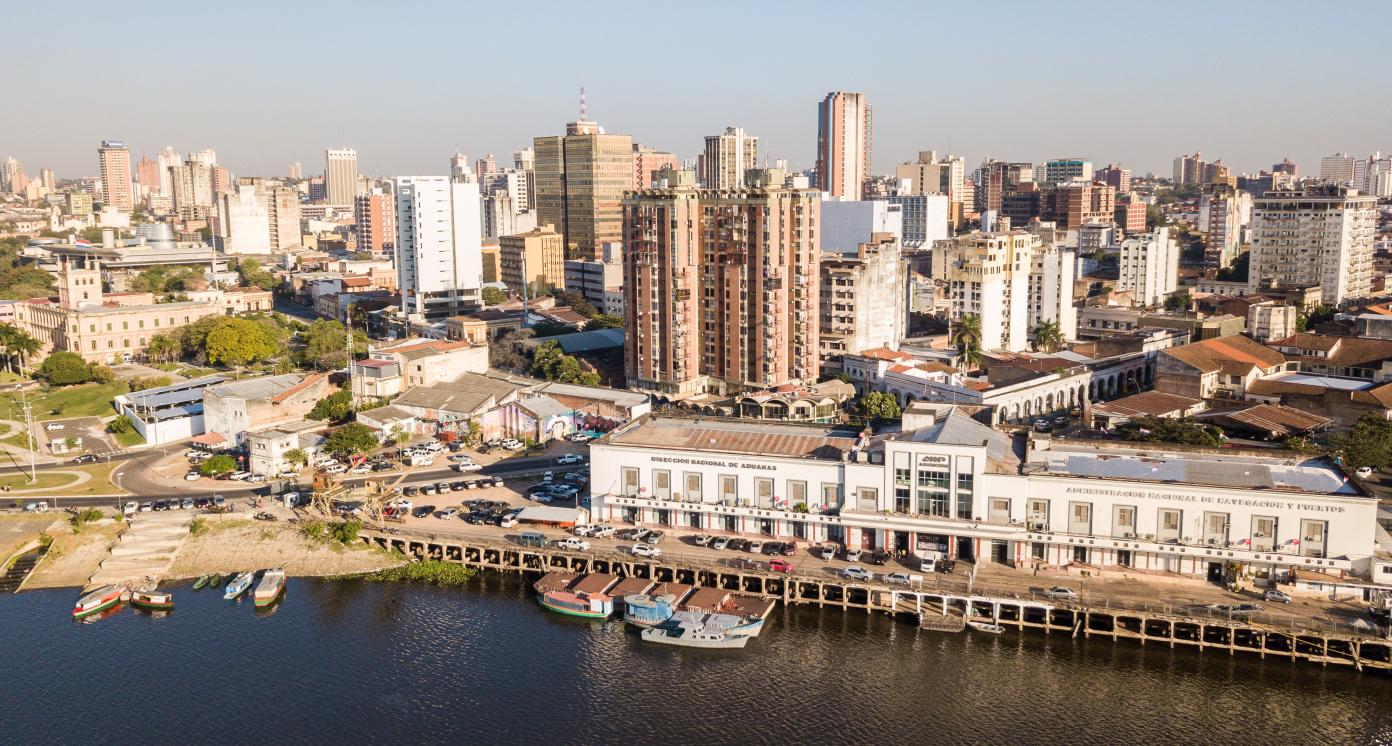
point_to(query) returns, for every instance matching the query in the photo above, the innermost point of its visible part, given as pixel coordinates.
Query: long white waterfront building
(945, 485)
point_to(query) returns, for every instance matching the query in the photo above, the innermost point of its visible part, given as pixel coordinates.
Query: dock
(939, 610)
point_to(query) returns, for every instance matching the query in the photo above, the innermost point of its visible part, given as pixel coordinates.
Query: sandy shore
(225, 545)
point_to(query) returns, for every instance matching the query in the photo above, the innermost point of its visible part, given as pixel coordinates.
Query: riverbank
(222, 545)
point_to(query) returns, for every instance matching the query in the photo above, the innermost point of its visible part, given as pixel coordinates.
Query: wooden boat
(643, 610)
(584, 605)
(693, 635)
(733, 624)
(994, 629)
(270, 587)
(149, 598)
(97, 600)
(200, 582)
(239, 584)
(215, 580)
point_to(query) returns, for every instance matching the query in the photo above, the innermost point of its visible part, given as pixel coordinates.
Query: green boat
(584, 605)
(200, 582)
(215, 581)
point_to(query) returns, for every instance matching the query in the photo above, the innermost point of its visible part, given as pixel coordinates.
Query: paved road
(295, 311)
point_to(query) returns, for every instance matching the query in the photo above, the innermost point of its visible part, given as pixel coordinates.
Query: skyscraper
(721, 286)
(439, 248)
(341, 175)
(581, 178)
(147, 174)
(10, 173)
(167, 160)
(843, 144)
(727, 157)
(1338, 168)
(295, 171)
(1320, 235)
(116, 175)
(374, 215)
(485, 165)
(283, 210)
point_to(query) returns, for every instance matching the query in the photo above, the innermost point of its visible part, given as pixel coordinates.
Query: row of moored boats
(269, 585)
(659, 618)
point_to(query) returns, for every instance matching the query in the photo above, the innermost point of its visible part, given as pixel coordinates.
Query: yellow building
(581, 178)
(535, 258)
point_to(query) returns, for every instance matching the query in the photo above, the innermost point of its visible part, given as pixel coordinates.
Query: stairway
(145, 550)
(19, 571)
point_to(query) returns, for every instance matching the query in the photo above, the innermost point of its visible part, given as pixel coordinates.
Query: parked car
(508, 520)
(219, 501)
(1042, 425)
(878, 557)
(629, 534)
(653, 537)
(39, 506)
(1061, 421)
(497, 481)
(411, 491)
(159, 505)
(187, 503)
(335, 469)
(428, 489)
(477, 518)
(578, 438)
(146, 507)
(602, 531)
(855, 572)
(702, 540)
(583, 529)
(903, 578)
(787, 548)
(130, 508)
(1061, 593)
(1364, 472)
(570, 542)
(720, 542)
(1273, 595)
(464, 467)
(773, 547)
(447, 513)
(531, 539)
(779, 565)
(53, 426)
(192, 476)
(570, 458)
(853, 555)
(756, 546)
(512, 444)
(574, 477)
(645, 550)
(547, 477)
(360, 469)
(423, 511)
(85, 458)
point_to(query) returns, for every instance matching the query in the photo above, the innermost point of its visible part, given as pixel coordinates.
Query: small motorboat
(97, 600)
(239, 584)
(994, 629)
(693, 635)
(201, 581)
(149, 598)
(215, 580)
(269, 588)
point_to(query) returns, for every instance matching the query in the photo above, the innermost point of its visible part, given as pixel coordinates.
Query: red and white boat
(148, 598)
(97, 600)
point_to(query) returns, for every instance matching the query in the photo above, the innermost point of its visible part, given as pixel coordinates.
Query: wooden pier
(930, 609)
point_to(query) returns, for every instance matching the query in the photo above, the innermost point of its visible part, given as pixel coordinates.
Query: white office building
(924, 217)
(1011, 282)
(1320, 235)
(1149, 267)
(341, 175)
(439, 246)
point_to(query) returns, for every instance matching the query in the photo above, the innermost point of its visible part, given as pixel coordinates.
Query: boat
(733, 624)
(215, 580)
(239, 584)
(994, 629)
(643, 610)
(200, 582)
(693, 635)
(149, 598)
(269, 589)
(585, 605)
(97, 600)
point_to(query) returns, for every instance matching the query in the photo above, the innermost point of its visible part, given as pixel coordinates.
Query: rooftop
(751, 437)
(256, 388)
(1153, 403)
(1233, 355)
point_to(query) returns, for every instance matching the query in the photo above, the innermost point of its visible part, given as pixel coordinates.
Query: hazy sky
(408, 83)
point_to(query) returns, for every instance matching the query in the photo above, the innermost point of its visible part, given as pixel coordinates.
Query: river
(347, 660)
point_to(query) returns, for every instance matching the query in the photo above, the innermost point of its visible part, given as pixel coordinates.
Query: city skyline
(1099, 91)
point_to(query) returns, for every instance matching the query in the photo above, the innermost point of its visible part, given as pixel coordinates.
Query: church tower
(79, 282)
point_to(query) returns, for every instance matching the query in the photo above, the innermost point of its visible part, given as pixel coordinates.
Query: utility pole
(348, 350)
(29, 433)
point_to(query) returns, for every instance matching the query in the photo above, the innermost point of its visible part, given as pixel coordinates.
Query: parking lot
(90, 430)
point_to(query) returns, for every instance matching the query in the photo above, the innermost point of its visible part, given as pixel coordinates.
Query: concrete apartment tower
(1149, 267)
(439, 246)
(864, 299)
(341, 175)
(1012, 281)
(374, 218)
(116, 175)
(721, 286)
(843, 144)
(1320, 235)
(581, 178)
(727, 157)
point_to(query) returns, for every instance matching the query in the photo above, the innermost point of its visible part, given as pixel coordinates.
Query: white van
(422, 459)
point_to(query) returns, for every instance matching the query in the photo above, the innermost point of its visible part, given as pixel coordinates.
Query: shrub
(347, 531)
(314, 530)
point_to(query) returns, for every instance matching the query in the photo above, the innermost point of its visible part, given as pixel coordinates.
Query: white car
(130, 508)
(852, 555)
(547, 477)
(1061, 593)
(719, 542)
(53, 426)
(363, 469)
(855, 572)
(570, 542)
(601, 531)
(402, 504)
(645, 550)
(289, 475)
(570, 458)
(512, 444)
(903, 578)
(1364, 472)
(578, 438)
(335, 469)
(192, 476)
(325, 461)
(507, 521)
(240, 476)
(464, 467)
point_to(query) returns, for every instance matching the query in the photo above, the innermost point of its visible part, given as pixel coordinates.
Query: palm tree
(966, 337)
(1047, 337)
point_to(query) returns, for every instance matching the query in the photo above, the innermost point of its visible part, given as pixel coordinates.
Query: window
(867, 498)
(1080, 518)
(1263, 533)
(1037, 515)
(965, 492)
(763, 492)
(1169, 525)
(998, 510)
(831, 495)
(1312, 538)
(662, 484)
(729, 489)
(1124, 521)
(1215, 529)
(629, 480)
(1037, 550)
(797, 493)
(932, 493)
(692, 486)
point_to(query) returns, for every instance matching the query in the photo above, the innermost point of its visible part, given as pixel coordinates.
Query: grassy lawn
(8, 376)
(129, 439)
(87, 400)
(46, 479)
(21, 440)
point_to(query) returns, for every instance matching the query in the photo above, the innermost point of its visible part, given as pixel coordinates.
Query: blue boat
(647, 611)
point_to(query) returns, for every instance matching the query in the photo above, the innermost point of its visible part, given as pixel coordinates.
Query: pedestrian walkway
(146, 549)
(19, 454)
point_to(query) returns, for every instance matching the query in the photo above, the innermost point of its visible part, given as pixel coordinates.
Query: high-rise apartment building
(524, 161)
(726, 157)
(995, 179)
(1223, 212)
(192, 183)
(439, 247)
(296, 173)
(460, 170)
(484, 166)
(1149, 267)
(924, 218)
(116, 175)
(1115, 177)
(222, 180)
(283, 216)
(243, 222)
(167, 160)
(581, 178)
(1319, 235)
(1011, 281)
(649, 162)
(721, 286)
(844, 125)
(374, 219)
(341, 175)
(1339, 168)
(1193, 170)
(930, 175)
(534, 260)
(1065, 170)
(147, 175)
(863, 302)
(9, 174)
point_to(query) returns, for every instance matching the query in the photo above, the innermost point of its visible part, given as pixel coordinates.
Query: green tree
(296, 457)
(103, 374)
(163, 348)
(234, 341)
(605, 321)
(1171, 430)
(16, 346)
(878, 405)
(121, 425)
(219, 464)
(324, 342)
(1318, 315)
(493, 296)
(65, 369)
(351, 439)
(335, 407)
(1237, 271)
(966, 337)
(575, 301)
(399, 436)
(845, 378)
(249, 272)
(1369, 443)
(1047, 336)
(474, 434)
(1178, 301)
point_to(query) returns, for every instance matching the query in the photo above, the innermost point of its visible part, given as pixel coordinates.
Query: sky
(410, 83)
